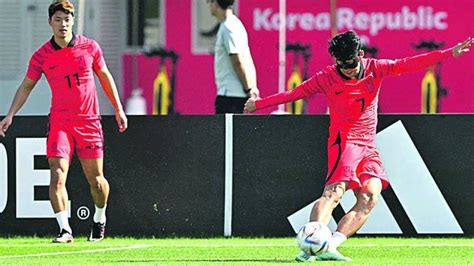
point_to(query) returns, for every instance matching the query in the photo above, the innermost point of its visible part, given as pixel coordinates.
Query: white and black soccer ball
(313, 238)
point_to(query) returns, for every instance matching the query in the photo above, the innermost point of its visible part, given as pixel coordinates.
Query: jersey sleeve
(99, 61)
(34, 71)
(313, 85)
(232, 41)
(412, 64)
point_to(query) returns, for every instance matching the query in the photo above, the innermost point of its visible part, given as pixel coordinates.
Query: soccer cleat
(332, 255)
(303, 257)
(97, 232)
(64, 237)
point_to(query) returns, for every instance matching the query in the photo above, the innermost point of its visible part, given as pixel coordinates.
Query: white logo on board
(3, 178)
(27, 178)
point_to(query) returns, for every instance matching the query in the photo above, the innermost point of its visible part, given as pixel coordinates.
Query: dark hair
(345, 45)
(224, 4)
(61, 5)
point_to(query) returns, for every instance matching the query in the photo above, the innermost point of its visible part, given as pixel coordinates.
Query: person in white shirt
(234, 69)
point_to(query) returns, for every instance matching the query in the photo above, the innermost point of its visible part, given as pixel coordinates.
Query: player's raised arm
(305, 89)
(422, 61)
(110, 89)
(19, 100)
(254, 104)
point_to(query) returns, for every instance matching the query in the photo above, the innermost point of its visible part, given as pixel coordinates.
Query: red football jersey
(353, 102)
(70, 74)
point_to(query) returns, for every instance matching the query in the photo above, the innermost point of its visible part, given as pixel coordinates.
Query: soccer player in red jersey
(69, 62)
(352, 88)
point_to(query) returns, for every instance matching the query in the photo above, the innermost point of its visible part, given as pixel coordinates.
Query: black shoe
(64, 237)
(97, 232)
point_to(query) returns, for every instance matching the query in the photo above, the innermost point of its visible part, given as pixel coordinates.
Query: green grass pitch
(230, 251)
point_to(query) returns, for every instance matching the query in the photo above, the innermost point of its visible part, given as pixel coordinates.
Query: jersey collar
(70, 44)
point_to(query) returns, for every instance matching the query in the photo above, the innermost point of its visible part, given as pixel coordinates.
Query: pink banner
(391, 28)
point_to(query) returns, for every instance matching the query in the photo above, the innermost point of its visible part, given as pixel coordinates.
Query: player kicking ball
(352, 88)
(69, 62)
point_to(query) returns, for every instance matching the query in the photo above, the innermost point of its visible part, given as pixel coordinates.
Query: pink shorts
(354, 163)
(85, 136)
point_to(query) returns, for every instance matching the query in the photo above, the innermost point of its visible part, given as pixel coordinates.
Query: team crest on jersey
(369, 85)
(82, 63)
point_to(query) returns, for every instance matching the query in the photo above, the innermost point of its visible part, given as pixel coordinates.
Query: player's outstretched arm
(308, 87)
(110, 89)
(422, 61)
(315, 84)
(254, 104)
(19, 100)
(462, 48)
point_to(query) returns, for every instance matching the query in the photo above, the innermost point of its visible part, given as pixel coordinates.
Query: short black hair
(61, 5)
(345, 45)
(224, 4)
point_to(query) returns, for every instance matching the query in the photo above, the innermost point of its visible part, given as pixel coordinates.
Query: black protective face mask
(352, 65)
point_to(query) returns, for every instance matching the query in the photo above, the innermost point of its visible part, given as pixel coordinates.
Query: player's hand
(4, 125)
(250, 106)
(462, 48)
(122, 121)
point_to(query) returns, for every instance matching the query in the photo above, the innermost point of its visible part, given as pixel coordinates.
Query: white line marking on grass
(293, 245)
(222, 245)
(75, 244)
(170, 245)
(74, 252)
(411, 245)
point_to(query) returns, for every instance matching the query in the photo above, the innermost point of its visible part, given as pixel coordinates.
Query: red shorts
(85, 136)
(354, 163)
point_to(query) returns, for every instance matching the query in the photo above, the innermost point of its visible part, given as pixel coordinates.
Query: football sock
(99, 216)
(336, 240)
(63, 221)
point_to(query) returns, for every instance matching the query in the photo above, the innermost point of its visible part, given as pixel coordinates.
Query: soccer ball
(313, 238)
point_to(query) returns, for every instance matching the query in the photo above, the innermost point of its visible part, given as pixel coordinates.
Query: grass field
(231, 251)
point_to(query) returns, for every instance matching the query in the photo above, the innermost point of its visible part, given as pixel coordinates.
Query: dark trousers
(229, 105)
